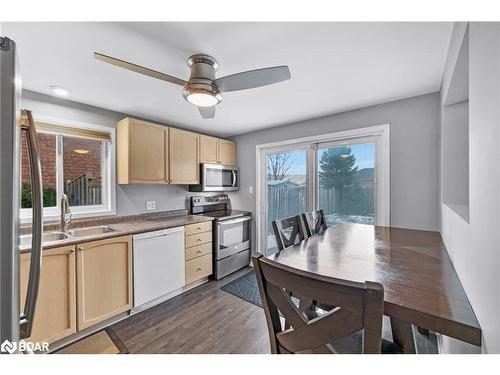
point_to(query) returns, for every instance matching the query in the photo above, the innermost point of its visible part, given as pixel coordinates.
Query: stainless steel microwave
(216, 177)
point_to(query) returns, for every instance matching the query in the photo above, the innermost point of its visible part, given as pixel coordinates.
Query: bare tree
(278, 165)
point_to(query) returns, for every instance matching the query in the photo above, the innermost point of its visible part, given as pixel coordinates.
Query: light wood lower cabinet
(198, 228)
(198, 251)
(198, 239)
(104, 279)
(198, 268)
(55, 314)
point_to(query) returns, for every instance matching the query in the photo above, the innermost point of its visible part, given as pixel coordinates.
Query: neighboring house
(281, 183)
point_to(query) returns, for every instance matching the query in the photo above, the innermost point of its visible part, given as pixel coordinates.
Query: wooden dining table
(420, 284)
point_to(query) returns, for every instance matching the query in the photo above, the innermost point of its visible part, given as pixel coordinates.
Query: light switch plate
(150, 205)
(250, 189)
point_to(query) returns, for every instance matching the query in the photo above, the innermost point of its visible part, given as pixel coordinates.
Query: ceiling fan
(203, 89)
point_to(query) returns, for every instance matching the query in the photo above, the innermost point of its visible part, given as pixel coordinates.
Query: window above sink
(77, 159)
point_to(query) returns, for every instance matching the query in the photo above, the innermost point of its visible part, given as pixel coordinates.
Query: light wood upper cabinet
(227, 152)
(183, 157)
(104, 279)
(149, 153)
(209, 149)
(55, 314)
(217, 151)
(142, 152)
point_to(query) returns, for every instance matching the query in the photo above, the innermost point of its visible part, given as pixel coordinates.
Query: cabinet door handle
(199, 269)
(198, 252)
(80, 248)
(199, 240)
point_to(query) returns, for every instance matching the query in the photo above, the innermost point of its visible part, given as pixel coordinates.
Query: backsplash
(131, 199)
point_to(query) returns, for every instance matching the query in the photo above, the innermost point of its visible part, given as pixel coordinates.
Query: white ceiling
(334, 66)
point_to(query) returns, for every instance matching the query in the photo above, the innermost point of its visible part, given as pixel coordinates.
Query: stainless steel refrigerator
(16, 325)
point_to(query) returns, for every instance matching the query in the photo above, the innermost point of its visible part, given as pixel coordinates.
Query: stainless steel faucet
(65, 213)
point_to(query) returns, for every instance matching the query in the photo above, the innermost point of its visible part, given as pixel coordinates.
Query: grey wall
(130, 199)
(414, 155)
(474, 245)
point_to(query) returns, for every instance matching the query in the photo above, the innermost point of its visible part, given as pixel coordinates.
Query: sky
(364, 154)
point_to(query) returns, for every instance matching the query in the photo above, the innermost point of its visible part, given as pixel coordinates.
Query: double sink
(54, 237)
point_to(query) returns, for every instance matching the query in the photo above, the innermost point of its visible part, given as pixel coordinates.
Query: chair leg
(402, 335)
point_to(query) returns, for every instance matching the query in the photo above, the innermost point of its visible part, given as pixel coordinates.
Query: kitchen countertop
(125, 225)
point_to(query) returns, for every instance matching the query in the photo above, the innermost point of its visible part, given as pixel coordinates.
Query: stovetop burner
(226, 214)
(216, 206)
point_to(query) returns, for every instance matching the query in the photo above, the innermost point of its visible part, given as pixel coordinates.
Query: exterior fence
(83, 192)
(289, 200)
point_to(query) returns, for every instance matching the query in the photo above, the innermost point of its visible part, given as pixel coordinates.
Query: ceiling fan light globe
(202, 99)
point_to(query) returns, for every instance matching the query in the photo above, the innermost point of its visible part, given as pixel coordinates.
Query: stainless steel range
(232, 233)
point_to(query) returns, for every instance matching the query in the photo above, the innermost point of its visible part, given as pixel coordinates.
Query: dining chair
(314, 222)
(355, 326)
(288, 231)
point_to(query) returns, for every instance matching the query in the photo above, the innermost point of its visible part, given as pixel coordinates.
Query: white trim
(379, 134)
(108, 173)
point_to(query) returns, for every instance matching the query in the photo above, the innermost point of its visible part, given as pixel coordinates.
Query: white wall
(130, 199)
(474, 247)
(455, 157)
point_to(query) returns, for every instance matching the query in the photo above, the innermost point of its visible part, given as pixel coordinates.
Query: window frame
(108, 173)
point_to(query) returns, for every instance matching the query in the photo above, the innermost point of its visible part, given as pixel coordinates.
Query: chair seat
(354, 345)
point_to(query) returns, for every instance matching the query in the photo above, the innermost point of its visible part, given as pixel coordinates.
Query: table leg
(402, 335)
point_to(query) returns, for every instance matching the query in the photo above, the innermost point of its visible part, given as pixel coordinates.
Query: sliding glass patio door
(347, 174)
(346, 184)
(287, 188)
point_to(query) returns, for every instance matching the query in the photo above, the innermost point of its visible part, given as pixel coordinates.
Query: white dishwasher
(159, 266)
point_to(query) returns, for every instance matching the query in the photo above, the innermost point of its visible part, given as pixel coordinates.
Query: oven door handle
(234, 221)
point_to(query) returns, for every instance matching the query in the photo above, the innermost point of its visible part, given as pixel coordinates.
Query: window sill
(54, 217)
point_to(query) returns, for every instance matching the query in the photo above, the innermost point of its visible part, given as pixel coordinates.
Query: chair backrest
(314, 222)
(360, 307)
(288, 231)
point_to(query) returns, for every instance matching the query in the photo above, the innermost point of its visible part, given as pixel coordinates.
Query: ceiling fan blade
(139, 69)
(253, 78)
(207, 112)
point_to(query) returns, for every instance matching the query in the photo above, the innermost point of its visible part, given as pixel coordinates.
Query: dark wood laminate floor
(204, 320)
(208, 320)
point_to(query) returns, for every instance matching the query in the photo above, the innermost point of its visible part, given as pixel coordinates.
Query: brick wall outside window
(47, 150)
(74, 165)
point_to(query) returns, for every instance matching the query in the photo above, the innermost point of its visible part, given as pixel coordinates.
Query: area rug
(102, 342)
(244, 287)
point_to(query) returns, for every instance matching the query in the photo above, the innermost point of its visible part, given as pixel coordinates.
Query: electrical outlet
(150, 205)
(250, 189)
